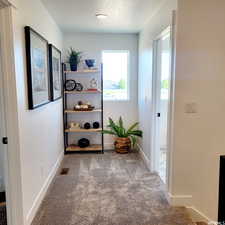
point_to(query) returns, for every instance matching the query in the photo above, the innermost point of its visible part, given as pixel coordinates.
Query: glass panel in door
(164, 102)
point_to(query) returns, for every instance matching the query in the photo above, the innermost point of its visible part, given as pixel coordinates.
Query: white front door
(162, 76)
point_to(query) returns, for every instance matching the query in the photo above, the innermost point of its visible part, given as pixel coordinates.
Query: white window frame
(128, 75)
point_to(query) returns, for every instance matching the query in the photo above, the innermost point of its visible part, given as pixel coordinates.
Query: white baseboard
(186, 201)
(108, 146)
(198, 216)
(37, 202)
(180, 200)
(143, 156)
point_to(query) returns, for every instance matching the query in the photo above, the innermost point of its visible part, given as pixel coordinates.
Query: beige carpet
(107, 189)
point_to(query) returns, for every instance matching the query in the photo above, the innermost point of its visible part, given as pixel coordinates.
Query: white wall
(200, 78)
(160, 21)
(41, 130)
(92, 45)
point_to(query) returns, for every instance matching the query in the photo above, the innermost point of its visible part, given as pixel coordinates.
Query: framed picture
(37, 69)
(55, 72)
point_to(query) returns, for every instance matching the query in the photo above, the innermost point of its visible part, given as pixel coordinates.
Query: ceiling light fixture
(101, 15)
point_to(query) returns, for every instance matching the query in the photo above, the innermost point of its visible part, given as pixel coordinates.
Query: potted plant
(74, 58)
(124, 138)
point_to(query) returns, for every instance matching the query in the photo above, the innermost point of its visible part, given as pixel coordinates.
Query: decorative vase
(122, 145)
(90, 62)
(73, 67)
(83, 143)
(87, 126)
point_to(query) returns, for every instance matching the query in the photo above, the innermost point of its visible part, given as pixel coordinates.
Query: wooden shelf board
(83, 130)
(81, 71)
(82, 92)
(75, 148)
(73, 111)
(2, 204)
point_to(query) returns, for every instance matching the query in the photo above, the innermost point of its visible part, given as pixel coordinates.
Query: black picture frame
(55, 71)
(37, 56)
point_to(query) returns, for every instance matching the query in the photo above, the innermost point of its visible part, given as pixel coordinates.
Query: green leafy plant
(117, 129)
(74, 57)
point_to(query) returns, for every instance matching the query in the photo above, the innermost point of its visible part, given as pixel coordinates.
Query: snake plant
(74, 57)
(118, 130)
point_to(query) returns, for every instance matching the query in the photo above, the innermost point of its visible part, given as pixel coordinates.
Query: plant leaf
(138, 133)
(120, 122)
(108, 132)
(114, 127)
(133, 140)
(132, 127)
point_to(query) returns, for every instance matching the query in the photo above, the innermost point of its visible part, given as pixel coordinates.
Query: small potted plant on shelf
(124, 138)
(74, 58)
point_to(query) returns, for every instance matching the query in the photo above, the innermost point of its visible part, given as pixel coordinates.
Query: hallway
(107, 189)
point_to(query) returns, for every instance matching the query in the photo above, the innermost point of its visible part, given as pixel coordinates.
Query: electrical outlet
(191, 107)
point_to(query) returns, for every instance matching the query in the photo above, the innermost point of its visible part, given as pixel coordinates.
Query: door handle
(158, 114)
(5, 140)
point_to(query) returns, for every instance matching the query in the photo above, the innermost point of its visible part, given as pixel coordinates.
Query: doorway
(161, 95)
(3, 150)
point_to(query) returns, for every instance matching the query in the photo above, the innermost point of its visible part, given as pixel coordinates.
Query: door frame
(155, 140)
(13, 179)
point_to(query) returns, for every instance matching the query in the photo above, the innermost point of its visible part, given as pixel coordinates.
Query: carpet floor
(107, 189)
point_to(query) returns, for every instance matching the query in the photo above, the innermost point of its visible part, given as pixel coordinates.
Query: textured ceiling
(124, 16)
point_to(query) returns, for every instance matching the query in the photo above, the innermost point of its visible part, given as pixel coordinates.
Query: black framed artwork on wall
(55, 72)
(37, 69)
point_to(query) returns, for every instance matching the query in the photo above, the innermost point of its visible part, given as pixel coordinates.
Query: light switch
(191, 107)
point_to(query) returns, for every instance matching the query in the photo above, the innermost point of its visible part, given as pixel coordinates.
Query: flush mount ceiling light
(101, 15)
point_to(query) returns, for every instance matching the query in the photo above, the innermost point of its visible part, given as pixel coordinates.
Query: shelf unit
(68, 112)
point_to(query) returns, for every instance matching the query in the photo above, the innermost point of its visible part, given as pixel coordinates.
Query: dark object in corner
(83, 143)
(96, 125)
(87, 126)
(64, 171)
(3, 214)
(221, 214)
(2, 197)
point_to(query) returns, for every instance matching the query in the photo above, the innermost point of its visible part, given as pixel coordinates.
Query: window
(115, 75)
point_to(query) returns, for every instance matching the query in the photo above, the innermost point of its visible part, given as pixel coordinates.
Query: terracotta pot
(122, 145)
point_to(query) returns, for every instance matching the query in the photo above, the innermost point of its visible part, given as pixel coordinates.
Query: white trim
(144, 157)
(153, 128)
(155, 107)
(198, 216)
(180, 200)
(108, 146)
(170, 128)
(13, 182)
(186, 200)
(37, 202)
